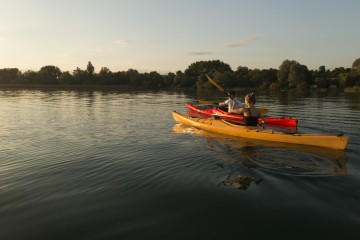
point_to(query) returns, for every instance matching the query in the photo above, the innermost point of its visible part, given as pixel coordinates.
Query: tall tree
(49, 74)
(242, 76)
(66, 78)
(194, 75)
(355, 70)
(292, 73)
(90, 69)
(29, 76)
(9, 75)
(80, 76)
(322, 69)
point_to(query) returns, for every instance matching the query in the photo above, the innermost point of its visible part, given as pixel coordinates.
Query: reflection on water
(240, 182)
(289, 159)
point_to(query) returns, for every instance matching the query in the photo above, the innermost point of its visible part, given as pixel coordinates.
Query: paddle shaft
(215, 84)
(262, 110)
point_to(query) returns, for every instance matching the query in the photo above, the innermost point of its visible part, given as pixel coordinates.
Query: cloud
(199, 53)
(242, 42)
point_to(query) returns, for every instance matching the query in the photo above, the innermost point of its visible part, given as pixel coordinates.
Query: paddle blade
(206, 102)
(214, 83)
(263, 110)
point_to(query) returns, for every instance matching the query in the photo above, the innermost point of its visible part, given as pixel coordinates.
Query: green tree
(283, 73)
(269, 76)
(254, 78)
(179, 80)
(9, 75)
(242, 77)
(344, 80)
(66, 78)
(49, 75)
(336, 71)
(355, 68)
(134, 77)
(121, 78)
(152, 80)
(169, 79)
(105, 76)
(104, 71)
(298, 75)
(194, 75)
(320, 73)
(292, 73)
(209, 67)
(90, 69)
(29, 77)
(80, 76)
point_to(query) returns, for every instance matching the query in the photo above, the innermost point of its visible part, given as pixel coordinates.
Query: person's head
(231, 94)
(250, 98)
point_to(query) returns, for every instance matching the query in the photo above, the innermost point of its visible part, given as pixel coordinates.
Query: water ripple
(91, 164)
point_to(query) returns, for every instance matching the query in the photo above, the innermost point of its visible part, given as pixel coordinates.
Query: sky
(169, 35)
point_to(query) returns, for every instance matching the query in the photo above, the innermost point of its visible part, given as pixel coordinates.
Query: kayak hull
(225, 127)
(212, 111)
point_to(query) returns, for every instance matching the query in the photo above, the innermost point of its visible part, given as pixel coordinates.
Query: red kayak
(211, 110)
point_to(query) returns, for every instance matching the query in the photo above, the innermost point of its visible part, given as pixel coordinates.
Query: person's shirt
(233, 104)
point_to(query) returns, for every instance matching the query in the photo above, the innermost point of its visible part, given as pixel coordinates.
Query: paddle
(206, 102)
(261, 110)
(215, 84)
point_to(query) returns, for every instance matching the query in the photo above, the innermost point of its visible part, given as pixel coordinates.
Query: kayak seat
(215, 117)
(225, 109)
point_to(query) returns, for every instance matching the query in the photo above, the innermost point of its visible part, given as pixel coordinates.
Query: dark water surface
(115, 165)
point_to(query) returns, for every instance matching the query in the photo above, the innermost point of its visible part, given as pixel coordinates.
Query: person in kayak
(232, 102)
(251, 114)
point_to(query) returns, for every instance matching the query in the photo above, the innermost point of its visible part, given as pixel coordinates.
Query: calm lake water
(115, 165)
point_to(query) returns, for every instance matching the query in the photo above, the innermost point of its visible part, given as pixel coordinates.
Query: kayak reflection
(270, 157)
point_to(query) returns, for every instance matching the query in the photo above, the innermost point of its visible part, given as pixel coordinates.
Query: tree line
(289, 75)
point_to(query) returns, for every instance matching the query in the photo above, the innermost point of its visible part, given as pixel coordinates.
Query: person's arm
(222, 104)
(238, 111)
(262, 117)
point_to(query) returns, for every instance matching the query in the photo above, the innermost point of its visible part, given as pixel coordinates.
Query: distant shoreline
(46, 86)
(355, 89)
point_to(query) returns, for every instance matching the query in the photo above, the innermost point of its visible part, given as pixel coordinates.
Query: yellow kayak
(227, 127)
